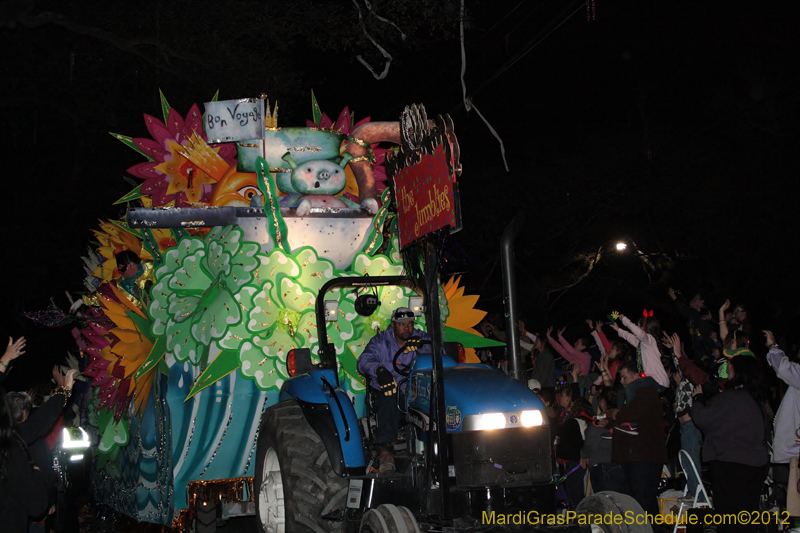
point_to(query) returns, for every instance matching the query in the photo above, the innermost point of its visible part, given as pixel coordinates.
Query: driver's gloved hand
(414, 343)
(386, 381)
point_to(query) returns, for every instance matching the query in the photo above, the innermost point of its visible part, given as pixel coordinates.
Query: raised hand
(561, 331)
(550, 332)
(770, 337)
(677, 348)
(724, 307)
(590, 323)
(69, 378)
(14, 349)
(58, 376)
(672, 294)
(666, 340)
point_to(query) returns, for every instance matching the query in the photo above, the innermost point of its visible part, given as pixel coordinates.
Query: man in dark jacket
(377, 363)
(638, 442)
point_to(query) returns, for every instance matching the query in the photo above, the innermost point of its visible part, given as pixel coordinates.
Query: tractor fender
(330, 413)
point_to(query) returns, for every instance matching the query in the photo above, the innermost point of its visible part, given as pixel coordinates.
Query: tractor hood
(472, 390)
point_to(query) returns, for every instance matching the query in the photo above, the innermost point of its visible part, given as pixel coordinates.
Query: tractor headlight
(531, 418)
(510, 419)
(489, 421)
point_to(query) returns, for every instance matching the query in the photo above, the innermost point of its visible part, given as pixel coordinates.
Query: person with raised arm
(577, 354)
(643, 336)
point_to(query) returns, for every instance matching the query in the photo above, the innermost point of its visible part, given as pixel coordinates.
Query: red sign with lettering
(425, 200)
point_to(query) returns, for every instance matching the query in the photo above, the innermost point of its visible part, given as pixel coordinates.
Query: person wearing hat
(377, 363)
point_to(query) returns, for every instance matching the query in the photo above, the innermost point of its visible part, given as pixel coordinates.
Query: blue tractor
(476, 443)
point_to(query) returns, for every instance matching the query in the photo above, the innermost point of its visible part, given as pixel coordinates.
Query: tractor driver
(376, 362)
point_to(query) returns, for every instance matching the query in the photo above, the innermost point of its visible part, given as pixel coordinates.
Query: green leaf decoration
(226, 362)
(133, 195)
(125, 227)
(216, 96)
(151, 245)
(469, 340)
(315, 110)
(375, 236)
(272, 209)
(143, 324)
(348, 361)
(394, 250)
(164, 105)
(128, 141)
(153, 359)
(113, 434)
(179, 234)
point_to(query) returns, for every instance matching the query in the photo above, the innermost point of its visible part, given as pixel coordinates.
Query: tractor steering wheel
(400, 368)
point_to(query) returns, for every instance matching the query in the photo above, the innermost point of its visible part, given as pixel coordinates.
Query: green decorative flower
(281, 315)
(194, 298)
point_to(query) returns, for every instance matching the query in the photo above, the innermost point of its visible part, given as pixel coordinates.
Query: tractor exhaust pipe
(510, 295)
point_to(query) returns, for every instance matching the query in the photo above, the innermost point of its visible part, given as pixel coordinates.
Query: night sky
(672, 125)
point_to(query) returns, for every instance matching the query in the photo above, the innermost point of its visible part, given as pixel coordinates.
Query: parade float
(195, 299)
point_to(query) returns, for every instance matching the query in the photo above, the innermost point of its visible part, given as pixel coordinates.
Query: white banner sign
(234, 120)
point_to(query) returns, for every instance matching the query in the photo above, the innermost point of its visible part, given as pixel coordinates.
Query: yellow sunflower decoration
(135, 356)
(463, 317)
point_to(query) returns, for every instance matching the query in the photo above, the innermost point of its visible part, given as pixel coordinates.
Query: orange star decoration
(134, 348)
(193, 165)
(463, 315)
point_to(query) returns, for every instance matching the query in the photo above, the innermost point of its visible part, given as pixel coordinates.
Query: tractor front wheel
(295, 483)
(388, 518)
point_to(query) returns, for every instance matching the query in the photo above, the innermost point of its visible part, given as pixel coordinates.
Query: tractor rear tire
(603, 503)
(388, 518)
(294, 482)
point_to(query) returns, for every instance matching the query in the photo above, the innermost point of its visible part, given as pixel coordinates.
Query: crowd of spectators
(624, 398)
(29, 484)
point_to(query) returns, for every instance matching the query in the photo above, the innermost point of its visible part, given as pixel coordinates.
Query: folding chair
(691, 501)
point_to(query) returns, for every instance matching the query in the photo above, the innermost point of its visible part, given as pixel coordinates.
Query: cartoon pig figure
(317, 181)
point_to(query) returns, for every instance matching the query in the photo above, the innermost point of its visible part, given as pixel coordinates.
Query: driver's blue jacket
(380, 351)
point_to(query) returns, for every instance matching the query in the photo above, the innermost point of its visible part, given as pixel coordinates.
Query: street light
(621, 246)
